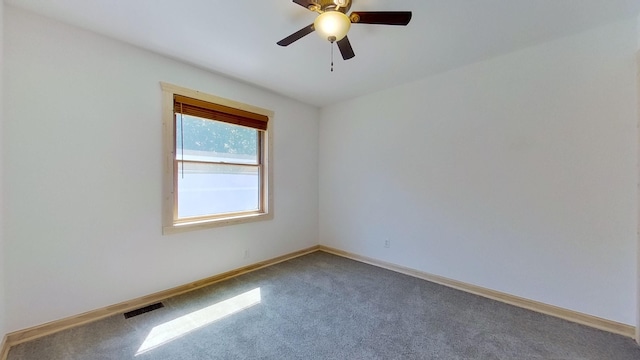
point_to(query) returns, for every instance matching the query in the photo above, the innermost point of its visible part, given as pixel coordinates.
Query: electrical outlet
(387, 243)
(246, 253)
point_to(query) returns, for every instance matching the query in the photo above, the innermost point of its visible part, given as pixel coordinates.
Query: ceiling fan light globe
(332, 25)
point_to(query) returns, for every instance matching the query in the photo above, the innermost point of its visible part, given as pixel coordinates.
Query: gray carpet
(321, 306)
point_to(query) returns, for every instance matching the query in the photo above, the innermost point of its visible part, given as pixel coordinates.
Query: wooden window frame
(170, 223)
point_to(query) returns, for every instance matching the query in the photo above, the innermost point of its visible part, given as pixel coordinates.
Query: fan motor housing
(331, 5)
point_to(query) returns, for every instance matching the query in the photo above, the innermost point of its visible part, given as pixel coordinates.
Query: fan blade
(381, 17)
(296, 35)
(305, 3)
(345, 48)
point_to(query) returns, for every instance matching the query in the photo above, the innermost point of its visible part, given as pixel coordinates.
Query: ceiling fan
(332, 23)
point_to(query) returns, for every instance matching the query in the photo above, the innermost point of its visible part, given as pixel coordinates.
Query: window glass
(208, 140)
(215, 172)
(206, 189)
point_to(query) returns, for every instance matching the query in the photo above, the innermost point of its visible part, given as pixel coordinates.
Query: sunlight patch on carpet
(183, 325)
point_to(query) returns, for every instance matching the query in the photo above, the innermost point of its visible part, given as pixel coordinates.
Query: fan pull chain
(331, 56)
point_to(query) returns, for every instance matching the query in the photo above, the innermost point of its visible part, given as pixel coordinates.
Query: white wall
(517, 174)
(83, 181)
(638, 256)
(638, 30)
(2, 257)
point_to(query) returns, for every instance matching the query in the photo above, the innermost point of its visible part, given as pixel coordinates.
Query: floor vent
(143, 310)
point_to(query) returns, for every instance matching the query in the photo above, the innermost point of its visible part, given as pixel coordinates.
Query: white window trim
(168, 199)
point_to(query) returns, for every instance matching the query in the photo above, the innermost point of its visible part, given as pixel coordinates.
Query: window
(217, 168)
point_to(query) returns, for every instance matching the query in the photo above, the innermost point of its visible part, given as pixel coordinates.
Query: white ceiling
(238, 37)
